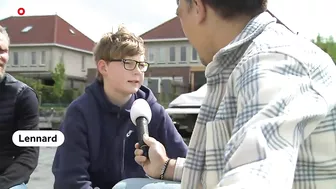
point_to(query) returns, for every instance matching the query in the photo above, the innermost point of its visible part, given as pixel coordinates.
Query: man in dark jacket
(98, 150)
(18, 111)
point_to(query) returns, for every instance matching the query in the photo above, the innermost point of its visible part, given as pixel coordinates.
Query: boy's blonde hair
(117, 46)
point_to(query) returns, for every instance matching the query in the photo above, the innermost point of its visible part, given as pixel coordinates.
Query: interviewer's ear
(200, 10)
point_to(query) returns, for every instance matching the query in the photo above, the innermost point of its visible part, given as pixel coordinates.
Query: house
(172, 58)
(39, 43)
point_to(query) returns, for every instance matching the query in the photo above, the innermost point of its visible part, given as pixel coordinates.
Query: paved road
(42, 178)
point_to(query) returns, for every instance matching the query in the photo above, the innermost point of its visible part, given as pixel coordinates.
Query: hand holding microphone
(141, 116)
(149, 152)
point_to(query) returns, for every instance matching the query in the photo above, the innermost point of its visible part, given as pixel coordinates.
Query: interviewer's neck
(226, 31)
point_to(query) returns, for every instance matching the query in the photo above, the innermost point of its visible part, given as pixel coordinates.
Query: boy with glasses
(98, 150)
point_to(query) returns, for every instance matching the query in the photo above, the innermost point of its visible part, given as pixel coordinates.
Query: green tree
(34, 83)
(327, 44)
(59, 78)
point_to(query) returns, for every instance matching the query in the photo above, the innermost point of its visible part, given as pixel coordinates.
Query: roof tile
(45, 29)
(171, 29)
(167, 30)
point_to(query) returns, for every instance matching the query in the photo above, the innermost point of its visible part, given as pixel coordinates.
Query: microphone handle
(142, 128)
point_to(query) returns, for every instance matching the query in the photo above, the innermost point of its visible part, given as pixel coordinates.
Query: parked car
(184, 110)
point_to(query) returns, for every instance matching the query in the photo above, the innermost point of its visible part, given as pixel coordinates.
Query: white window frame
(33, 58)
(145, 82)
(176, 79)
(191, 54)
(83, 63)
(170, 60)
(149, 52)
(61, 60)
(159, 79)
(25, 58)
(159, 82)
(185, 54)
(26, 29)
(162, 55)
(43, 61)
(17, 58)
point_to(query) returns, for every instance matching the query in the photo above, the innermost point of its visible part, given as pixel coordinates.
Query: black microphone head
(140, 108)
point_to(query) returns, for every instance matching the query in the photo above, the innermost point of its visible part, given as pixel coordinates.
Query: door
(199, 79)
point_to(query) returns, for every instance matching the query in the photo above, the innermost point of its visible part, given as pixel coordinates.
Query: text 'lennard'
(25, 138)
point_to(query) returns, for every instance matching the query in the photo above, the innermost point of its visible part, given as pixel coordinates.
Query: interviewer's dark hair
(232, 8)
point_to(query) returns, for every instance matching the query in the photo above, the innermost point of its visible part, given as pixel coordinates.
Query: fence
(169, 91)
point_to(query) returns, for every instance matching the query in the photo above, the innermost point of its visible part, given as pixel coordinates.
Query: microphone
(141, 115)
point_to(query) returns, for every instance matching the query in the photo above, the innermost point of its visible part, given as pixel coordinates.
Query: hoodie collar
(129, 103)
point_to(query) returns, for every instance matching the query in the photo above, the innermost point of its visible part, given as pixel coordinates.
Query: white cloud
(308, 17)
(94, 18)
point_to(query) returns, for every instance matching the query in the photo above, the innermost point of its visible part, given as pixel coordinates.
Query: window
(178, 79)
(183, 54)
(33, 56)
(43, 58)
(16, 58)
(145, 83)
(154, 84)
(83, 63)
(172, 54)
(62, 58)
(162, 55)
(194, 55)
(164, 84)
(27, 29)
(25, 59)
(199, 79)
(150, 55)
(71, 31)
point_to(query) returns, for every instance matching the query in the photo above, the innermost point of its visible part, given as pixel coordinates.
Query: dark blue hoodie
(98, 150)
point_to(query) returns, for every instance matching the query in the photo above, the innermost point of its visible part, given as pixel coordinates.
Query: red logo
(21, 11)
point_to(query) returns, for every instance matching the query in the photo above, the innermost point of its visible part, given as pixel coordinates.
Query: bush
(67, 97)
(46, 93)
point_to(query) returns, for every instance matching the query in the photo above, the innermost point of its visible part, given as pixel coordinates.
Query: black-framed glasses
(130, 64)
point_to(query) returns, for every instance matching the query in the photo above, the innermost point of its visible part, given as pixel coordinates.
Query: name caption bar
(35, 138)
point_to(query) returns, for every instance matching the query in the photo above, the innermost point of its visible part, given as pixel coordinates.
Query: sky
(95, 17)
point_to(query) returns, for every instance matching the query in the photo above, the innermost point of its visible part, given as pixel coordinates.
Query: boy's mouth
(133, 81)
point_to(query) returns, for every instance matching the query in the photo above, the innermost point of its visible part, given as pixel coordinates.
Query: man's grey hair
(4, 33)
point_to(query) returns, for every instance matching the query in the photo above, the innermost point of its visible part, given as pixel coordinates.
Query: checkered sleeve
(279, 104)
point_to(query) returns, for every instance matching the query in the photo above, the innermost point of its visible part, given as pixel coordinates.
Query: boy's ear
(102, 67)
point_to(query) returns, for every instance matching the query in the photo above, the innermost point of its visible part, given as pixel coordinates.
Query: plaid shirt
(268, 119)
